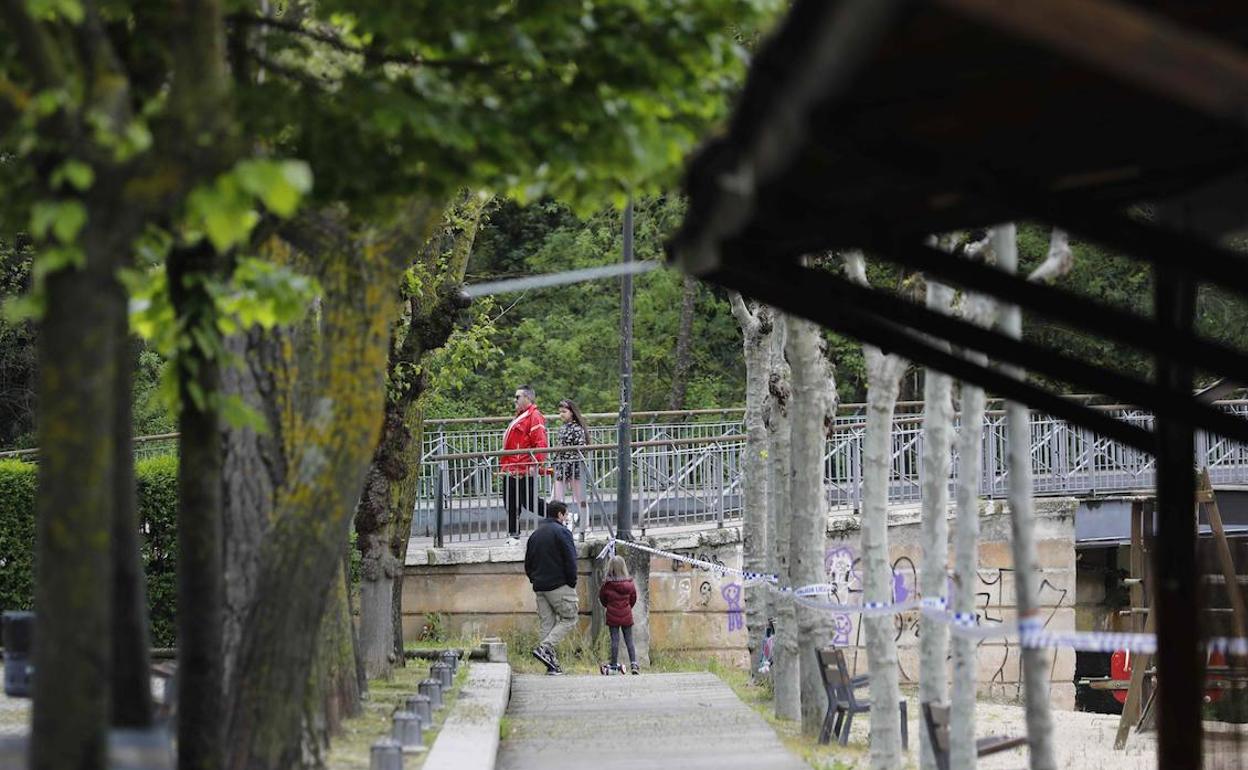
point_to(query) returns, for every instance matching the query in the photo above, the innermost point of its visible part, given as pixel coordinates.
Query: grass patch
(350, 749)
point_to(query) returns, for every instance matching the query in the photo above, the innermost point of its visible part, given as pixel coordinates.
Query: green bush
(17, 534)
(157, 480)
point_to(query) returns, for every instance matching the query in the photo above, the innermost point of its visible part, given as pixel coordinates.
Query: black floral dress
(568, 464)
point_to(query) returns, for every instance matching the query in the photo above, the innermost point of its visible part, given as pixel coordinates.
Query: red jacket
(527, 431)
(618, 595)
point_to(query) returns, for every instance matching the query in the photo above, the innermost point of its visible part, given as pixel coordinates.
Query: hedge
(17, 534)
(157, 483)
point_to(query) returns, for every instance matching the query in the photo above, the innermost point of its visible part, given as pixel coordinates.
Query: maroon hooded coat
(618, 595)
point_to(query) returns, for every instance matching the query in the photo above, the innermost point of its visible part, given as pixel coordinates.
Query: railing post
(855, 471)
(721, 482)
(437, 504)
(1202, 452)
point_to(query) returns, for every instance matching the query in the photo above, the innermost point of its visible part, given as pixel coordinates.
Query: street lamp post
(624, 493)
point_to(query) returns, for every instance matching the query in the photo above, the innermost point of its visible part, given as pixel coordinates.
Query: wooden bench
(936, 717)
(842, 701)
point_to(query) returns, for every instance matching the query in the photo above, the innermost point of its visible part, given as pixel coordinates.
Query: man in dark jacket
(550, 563)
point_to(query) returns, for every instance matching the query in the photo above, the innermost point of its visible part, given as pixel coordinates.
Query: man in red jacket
(519, 471)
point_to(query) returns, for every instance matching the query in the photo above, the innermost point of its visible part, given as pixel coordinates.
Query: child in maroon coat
(618, 595)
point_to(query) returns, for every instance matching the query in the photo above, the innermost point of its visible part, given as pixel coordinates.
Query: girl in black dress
(571, 464)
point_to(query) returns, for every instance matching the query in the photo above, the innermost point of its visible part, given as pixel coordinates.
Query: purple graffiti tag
(900, 592)
(732, 595)
(842, 627)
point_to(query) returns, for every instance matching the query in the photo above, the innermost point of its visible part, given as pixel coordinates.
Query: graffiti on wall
(842, 568)
(732, 593)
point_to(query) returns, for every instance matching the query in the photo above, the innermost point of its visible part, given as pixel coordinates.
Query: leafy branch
(370, 53)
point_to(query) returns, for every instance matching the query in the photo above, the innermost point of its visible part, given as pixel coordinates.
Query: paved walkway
(686, 721)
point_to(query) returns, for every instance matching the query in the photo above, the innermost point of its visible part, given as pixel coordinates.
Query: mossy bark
(383, 517)
(131, 642)
(329, 396)
(201, 729)
(333, 688)
(78, 353)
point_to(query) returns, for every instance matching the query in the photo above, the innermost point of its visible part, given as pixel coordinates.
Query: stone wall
(483, 590)
(999, 664)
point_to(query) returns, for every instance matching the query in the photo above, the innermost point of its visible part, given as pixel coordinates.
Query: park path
(690, 721)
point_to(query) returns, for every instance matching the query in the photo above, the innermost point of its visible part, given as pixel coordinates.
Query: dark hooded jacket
(618, 595)
(550, 557)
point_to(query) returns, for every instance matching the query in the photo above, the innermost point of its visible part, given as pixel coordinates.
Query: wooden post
(1139, 598)
(1239, 615)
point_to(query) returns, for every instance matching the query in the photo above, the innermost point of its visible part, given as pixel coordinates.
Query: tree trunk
(1018, 440)
(639, 567)
(404, 508)
(784, 670)
(78, 355)
(378, 567)
(200, 579)
(131, 670)
(814, 409)
(883, 383)
(333, 688)
(965, 571)
(937, 441)
(756, 331)
(684, 344)
(254, 468)
(383, 518)
(333, 399)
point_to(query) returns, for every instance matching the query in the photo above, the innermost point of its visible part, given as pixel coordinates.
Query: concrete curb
(468, 739)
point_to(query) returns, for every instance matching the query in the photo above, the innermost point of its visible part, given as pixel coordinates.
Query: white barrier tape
(707, 565)
(548, 280)
(1030, 630)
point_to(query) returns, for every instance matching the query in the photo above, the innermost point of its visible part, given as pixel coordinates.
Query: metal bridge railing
(674, 482)
(690, 473)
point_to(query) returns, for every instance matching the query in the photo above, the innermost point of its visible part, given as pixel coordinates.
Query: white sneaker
(513, 541)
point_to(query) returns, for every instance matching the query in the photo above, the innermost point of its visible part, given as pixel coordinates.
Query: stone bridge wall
(481, 590)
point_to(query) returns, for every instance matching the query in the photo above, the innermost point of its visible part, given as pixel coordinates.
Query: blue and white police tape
(746, 575)
(1030, 630)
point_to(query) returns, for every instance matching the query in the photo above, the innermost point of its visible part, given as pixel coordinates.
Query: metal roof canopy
(874, 123)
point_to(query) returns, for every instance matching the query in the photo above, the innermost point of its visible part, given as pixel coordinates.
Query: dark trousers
(628, 642)
(521, 492)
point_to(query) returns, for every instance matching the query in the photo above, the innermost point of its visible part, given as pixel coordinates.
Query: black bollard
(433, 689)
(442, 672)
(451, 657)
(421, 706)
(407, 730)
(18, 633)
(386, 754)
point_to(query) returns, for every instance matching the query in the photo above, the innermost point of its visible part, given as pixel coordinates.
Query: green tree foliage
(17, 349)
(565, 340)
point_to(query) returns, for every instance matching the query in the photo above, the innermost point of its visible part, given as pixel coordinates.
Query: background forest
(565, 341)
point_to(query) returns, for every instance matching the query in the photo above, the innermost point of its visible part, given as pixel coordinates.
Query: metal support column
(1180, 662)
(624, 492)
